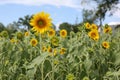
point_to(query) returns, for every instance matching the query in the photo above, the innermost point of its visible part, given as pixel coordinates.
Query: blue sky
(60, 10)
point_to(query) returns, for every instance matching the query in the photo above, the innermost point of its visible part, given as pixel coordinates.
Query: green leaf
(32, 66)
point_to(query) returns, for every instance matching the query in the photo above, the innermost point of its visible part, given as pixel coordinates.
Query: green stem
(42, 70)
(53, 68)
(42, 65)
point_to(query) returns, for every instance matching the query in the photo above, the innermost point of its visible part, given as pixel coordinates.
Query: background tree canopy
(99, 13)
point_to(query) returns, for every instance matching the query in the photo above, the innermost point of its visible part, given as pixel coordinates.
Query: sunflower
(4, 34)
(41, 22)
(105, 44)
(33, 42)
(51, 33)
(63, 33)
(49, 49)
(54, 41)
(87, 25)
(19, 35)
(44, 48)
(107, 29)
(54, 52)
(26, 33)
(94, 34)
(94, 26)
(13, 40)
(62, 51)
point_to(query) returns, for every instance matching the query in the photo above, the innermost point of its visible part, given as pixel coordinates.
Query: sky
(60, 10)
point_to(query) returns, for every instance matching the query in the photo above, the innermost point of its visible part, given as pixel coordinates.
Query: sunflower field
(45, 54)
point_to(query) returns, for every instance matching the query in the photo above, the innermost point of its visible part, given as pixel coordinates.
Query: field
(41, 54)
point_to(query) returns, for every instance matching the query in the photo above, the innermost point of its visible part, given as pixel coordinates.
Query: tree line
(92, 16)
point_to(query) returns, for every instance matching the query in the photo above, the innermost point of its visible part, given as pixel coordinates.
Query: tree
(88, 16)
(25, 21)
(12, 27)
(2, 27)
(103, 6)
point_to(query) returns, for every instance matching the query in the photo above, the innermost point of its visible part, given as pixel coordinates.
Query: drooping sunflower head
(19, 35)
(49, 49)
(51, 33)
(44, 48)
(94, 34)
(55, 52)
(26, 33)
(62, 51)
(94, 26)
(107, 29)
(41, 22)
(87, 25)
(105, 45)
(54, 41)
(4, 33)
(33, 42)
(63, 33)
(13, 40)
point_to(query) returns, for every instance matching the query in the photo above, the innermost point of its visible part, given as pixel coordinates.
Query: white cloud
(58, 24)
(116, 13)
(58, 3)
(114, 23)
(77, 4)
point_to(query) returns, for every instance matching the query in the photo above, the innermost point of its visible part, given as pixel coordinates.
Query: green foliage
(88, 16)
(2, 27)
(84, 58)
(99, 13)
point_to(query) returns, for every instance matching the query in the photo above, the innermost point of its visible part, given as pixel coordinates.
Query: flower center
(63, 33)
(107, 30)
(51, 33)
(33, 42)
(93, 34)
(41, 23)
(105, 44)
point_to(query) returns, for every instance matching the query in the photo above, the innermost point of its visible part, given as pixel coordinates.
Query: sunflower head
(62, 51)
(105, 45)
(44, 49)
(19, 35)
(50, 50)
(55, 52)
(41, 22)
(54, 41)
(87, 25)
(13, 40)
(94, 26)
(94, 35)
(63, 33)
(107, 29)
(26, 33)
(33, 42)
(51, 33)
(4, 34)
